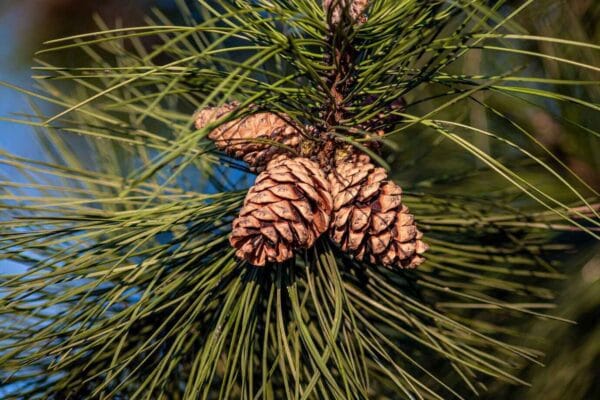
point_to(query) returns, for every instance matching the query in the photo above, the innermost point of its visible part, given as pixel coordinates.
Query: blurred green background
(573, 351)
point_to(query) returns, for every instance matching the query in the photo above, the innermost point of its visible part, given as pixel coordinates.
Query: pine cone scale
(379, 243)
(341, 217)
(266, 214)
(304, 209)
(360, 218)
(265, 197)
(285, 191)
(284, 230)
(283, 210)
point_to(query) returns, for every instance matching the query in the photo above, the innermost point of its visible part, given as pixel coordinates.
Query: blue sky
(14, 138)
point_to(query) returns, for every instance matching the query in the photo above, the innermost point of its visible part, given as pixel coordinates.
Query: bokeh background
(573, 351)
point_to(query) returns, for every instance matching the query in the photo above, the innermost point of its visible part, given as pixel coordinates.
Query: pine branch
(128, 287)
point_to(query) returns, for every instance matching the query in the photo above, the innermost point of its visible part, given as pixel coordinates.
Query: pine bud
(337, 9)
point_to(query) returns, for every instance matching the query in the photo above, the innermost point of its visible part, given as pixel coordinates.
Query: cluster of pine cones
(310, 183)
(304, 190)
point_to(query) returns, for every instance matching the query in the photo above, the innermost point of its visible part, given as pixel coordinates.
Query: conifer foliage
(155, 264)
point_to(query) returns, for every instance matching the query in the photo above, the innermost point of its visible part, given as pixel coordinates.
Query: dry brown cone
(355, 8)
(287, 209)
(250, 138)
(369, 220)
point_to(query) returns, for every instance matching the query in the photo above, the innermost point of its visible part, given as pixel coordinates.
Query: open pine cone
(250, 138)
(287, 209)
(369, 220)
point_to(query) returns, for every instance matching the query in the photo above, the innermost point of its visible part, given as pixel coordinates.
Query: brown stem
(340, 57)
(340, 82)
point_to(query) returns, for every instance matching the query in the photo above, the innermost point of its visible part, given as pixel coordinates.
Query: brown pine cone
(287, 209)
(369, 220)
(250, 138)
(355, 8)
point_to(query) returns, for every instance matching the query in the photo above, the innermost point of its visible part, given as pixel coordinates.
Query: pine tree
(153, 272)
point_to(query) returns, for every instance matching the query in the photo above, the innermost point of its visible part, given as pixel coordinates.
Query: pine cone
(369, 220)
(355, 8)
(250, 138)
(287, 209)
